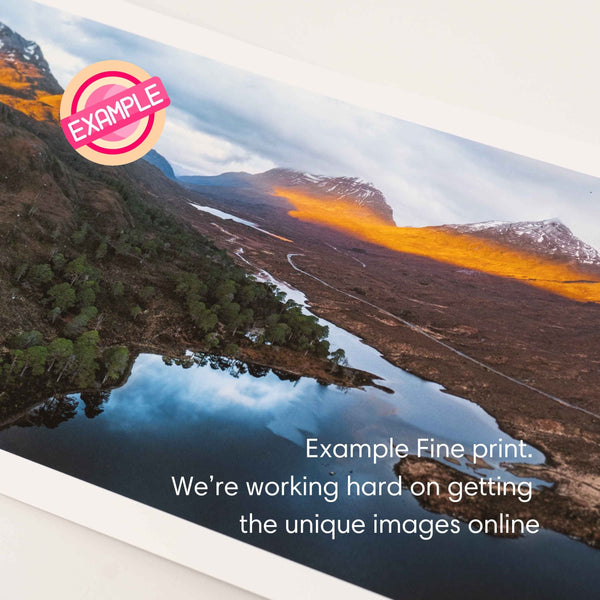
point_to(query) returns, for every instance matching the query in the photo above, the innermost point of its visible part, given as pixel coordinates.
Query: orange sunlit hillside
(467, 251)
(16, 90)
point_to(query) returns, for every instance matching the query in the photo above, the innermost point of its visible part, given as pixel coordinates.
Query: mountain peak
(160, 162)
(299, 178)
(353, 189)
(26, 81)
(549, 237)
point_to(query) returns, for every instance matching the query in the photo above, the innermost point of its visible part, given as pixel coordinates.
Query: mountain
(349, 189)
(26, 82)
(255, 197)
(95, 260)
(98, 264)
(239, 179)
(160, 162)
(548, 238)
(352, 189)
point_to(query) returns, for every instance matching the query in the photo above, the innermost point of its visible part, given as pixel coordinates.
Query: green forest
(91, 289)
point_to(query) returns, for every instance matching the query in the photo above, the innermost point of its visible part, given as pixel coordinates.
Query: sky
(224, 119)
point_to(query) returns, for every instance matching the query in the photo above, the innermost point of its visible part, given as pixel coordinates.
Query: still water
(201, 420)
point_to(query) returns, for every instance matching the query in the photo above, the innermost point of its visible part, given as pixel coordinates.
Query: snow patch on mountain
(353, 189)
(16, 49)
(549, 237)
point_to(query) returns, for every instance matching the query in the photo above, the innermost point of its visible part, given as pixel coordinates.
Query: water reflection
(208, 415)
(179, 392)
(51, 413)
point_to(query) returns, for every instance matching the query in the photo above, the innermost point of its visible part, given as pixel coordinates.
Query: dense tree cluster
(78, 361)
(91, 274)
(94, 266)
(233, 302)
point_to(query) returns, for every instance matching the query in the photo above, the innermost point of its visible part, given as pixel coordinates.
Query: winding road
(428, 335)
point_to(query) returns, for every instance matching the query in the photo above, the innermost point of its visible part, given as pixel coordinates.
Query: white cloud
(224, 119)
(64, 64)
(192, 151)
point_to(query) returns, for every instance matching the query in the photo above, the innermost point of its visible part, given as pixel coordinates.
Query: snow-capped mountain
(351, 189)
(26, 82)
(15, 49)
(550, 237)
(354, 189)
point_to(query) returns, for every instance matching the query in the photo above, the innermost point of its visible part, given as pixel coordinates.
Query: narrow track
(425, 333)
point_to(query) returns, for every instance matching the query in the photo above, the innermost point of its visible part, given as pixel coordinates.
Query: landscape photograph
(285, 266)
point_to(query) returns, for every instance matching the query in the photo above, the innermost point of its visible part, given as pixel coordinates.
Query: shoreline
(568, 437)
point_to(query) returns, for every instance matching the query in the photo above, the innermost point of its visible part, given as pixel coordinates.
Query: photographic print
(363, 345)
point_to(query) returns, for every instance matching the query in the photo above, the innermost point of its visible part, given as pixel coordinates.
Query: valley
(528, 356)
(167, 296)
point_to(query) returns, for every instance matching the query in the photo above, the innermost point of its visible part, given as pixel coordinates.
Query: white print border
(169, 537)
(456, 120)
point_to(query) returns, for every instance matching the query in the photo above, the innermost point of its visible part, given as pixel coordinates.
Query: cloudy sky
(224, 119)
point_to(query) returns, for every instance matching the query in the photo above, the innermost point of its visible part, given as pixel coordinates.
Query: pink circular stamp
(113, 112)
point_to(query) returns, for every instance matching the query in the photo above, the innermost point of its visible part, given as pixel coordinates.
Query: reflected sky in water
(294, 410)
(172, 421)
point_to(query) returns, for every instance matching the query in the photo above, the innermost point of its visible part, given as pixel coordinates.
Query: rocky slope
(351, 189)
(26, 82)
(548, 238)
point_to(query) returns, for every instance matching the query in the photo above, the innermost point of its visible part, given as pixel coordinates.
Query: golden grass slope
(463, 250)
(18, 90)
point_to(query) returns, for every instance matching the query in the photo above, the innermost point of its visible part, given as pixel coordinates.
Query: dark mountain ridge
(350, 189)
(100, 263)
(160, 162)
(548, 238)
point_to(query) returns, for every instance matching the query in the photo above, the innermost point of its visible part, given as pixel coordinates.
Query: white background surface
(46, 557)
(532, 64)
(532, 61)
(526, 70)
